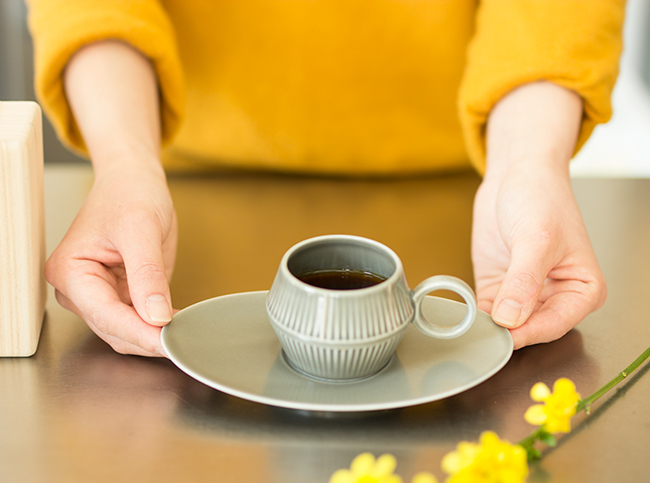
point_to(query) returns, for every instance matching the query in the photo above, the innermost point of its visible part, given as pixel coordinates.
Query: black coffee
(341, 279)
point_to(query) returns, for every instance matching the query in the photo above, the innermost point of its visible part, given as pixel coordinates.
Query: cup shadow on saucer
(286, 383)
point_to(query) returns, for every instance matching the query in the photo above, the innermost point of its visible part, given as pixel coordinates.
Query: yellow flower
(365, 469)
(424, 477)
(489, 461)
(558, 408)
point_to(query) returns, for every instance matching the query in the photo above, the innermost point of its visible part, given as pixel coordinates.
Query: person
(355, 88)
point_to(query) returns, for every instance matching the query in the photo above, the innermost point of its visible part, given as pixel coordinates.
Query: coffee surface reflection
(341, 279)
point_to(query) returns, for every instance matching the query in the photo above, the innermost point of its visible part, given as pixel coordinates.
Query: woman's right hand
(114, 264)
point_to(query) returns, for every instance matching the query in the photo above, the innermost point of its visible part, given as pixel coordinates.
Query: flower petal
(558, 425)
(342, 476)
(489, 439)
(535, 415)
(539, 392)
(384, 466)
(566, 389)
(451, 463)
(492, 460)
(362, 464)
(424, 477)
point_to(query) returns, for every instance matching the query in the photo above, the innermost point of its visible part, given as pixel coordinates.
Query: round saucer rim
(327, 407)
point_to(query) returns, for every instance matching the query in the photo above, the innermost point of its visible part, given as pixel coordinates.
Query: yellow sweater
(336, 86)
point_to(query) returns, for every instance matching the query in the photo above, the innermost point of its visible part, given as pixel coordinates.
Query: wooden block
(22, 229)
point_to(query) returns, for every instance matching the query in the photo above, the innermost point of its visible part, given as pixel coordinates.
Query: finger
(485, 294)
(121, 283)
(485, 301)
(97, 303)
(116, 342)
(118, 345)
(558, 315)
(522, 285)
(148, 284)
(565, 304)
(123, 347)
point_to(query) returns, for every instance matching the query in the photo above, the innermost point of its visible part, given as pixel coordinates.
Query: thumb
(146, 276)
(520, 290)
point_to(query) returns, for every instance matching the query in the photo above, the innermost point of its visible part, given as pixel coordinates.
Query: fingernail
(508, 313)
(158, 308)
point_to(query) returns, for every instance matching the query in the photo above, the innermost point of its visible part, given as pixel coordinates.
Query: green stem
(529, 440)
(585, 403)
(528, 444)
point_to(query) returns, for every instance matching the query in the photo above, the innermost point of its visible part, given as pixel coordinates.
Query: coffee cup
(340, 305)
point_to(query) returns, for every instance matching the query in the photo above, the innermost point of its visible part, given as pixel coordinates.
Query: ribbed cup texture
(339, 334)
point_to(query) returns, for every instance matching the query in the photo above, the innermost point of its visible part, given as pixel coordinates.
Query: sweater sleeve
(60, 27)
(573, 43)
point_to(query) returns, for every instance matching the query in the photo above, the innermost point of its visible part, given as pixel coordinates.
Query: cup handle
(444, 282)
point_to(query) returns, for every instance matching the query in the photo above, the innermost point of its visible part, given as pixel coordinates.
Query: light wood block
(22, 229)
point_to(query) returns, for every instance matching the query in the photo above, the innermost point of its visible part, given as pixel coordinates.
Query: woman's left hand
(535, 269)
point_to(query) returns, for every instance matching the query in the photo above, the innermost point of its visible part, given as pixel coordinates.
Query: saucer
(228, 343)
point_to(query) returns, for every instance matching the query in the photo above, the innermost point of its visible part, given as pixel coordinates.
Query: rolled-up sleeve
(60, 27)
(573, 43)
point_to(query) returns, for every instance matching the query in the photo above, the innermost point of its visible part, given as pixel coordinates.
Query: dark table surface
(78, 412)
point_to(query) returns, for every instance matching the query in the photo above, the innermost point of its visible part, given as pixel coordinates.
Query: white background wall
(621, 148)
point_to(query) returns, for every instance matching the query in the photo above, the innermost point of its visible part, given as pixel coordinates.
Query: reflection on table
(77, 411)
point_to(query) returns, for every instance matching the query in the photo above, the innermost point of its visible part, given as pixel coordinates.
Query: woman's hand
(114, 264)
(534, 266)
(535, 270)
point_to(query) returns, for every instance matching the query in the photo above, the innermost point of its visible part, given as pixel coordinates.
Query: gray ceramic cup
(350, 334)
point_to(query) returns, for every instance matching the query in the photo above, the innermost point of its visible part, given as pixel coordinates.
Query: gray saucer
(227, 343)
